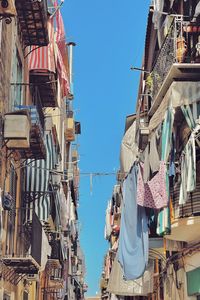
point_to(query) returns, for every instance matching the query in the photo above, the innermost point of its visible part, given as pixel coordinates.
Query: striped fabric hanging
(61, 54)
(37, 182)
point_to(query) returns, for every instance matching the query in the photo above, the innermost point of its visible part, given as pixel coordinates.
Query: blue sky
(110, 39)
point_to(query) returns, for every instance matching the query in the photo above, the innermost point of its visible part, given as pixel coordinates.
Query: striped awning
(43, 58)
(37, 174)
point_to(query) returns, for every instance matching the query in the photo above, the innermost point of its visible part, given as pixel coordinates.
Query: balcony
(75, 156)
(156, 246)
(54, 273)
(186, 220)
(56, 251)
(32, 17)
(178, 59)
(22, 253)
(70, 127)
(45, 81)
(36, 149)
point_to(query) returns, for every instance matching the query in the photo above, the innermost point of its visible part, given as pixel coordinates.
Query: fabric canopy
(179, 94)
(193, 286)
(129, 149)
(37, 174)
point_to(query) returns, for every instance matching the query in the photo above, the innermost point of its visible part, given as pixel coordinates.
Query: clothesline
(71, 173)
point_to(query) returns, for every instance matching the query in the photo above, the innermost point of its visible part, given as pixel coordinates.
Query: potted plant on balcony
(149, 83)
(152, 78)
(181, 49)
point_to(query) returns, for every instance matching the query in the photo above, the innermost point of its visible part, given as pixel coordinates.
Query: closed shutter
(193, 282)
(25, 295)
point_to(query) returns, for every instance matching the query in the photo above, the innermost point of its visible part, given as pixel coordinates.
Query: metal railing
(21, 240)
(192, 206)
(166, 57)
(178, 46)
(36, 116)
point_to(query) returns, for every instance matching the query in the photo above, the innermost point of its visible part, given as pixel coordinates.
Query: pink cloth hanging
(61, 53)
(152, 194)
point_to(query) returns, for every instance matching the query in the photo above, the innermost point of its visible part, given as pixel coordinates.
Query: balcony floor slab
(177, 72)
(185, 229)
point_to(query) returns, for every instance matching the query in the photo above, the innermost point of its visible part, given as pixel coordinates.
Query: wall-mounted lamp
(139, 69)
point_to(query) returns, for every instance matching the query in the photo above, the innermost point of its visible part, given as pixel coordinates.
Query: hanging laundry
(129, 149)
(152, 194)
(151, 155)
(154, 158)
(133, 239)
(108, 228)
(188, 170)
(147, 170)
(63, 209)
(196, 13)
(172, 169)
(164, 223)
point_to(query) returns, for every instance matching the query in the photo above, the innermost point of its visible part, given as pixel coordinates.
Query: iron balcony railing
(191, 208)
(23, 246)
(32, 17)
(179, 46)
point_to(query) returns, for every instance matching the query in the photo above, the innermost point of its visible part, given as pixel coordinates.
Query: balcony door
(6, 296)
(25, 296)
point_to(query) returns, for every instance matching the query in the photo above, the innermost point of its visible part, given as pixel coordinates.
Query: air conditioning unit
(17, 130)
(7, 201)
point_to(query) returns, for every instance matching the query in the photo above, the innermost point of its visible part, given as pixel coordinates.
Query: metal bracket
(7, 17)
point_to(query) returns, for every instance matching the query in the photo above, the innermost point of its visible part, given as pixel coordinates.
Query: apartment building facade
(40, 253)
(157, 256)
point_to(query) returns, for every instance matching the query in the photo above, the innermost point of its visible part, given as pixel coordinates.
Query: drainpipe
(70, 46)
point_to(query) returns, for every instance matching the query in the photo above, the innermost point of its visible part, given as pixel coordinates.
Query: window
(16, 88)
(25, 295)
(6, 296)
